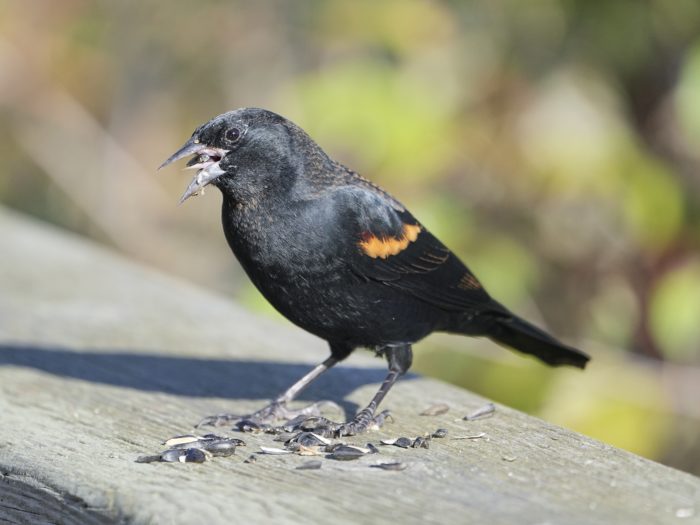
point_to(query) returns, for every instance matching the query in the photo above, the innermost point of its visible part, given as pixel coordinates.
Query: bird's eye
(233, 134)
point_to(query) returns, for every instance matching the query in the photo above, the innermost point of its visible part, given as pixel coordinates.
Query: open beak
(206, 162)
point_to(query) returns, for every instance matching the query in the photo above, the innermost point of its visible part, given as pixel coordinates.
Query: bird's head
(241, 152)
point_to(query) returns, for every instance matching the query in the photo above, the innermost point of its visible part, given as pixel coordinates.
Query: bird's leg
(277, 409)
(399, 358)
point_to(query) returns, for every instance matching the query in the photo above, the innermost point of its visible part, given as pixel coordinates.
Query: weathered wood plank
(101, 359)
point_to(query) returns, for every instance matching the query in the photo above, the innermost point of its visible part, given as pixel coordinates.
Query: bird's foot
(364, 420)
(275, 411)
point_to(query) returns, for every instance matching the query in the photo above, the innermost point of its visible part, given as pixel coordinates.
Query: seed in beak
(199, 159)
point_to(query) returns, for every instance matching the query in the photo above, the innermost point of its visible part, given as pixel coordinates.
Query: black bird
(340, 257)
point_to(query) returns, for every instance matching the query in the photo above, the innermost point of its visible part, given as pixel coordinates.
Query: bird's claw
(365, 420)
(218, 420)
(278, 411)
(275, 411)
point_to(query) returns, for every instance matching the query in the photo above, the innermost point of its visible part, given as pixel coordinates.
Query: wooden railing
(101, 360)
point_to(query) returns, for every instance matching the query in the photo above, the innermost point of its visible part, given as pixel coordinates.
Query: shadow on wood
(185, 376)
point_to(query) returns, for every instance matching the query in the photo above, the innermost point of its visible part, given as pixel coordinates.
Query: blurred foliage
(686, 96)
(675, 311)
(552, 144)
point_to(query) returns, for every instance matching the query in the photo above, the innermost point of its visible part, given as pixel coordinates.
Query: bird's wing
(390, 246)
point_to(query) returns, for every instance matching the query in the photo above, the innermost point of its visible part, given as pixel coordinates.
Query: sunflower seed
(421, 442)
(485, 411)
(390, 466)
(435, 410)
(346, 453)
(403, 442)
(217, 445)
(309, 439)
(440, 433)
(188, 455)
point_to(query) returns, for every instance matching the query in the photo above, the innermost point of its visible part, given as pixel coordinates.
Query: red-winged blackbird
(340, 257)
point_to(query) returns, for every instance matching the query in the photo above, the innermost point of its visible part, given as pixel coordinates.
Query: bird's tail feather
(509, 330)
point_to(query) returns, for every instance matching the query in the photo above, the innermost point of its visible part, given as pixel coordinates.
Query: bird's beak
(207, 162)
(189, 148)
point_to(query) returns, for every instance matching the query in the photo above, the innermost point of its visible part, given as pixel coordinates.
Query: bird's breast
(299, 264)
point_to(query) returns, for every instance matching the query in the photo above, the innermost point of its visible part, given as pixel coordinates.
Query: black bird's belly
(337, 306)
(316, 289)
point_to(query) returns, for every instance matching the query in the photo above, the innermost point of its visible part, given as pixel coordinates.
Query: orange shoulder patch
(383, 247)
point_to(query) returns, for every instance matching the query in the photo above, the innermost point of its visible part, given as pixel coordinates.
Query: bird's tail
(510, 330)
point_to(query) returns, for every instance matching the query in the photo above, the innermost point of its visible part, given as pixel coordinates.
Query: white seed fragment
(274, 451)
(475, 436)
(179, 440)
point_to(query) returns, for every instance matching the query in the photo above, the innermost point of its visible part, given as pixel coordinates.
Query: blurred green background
(553, 144)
